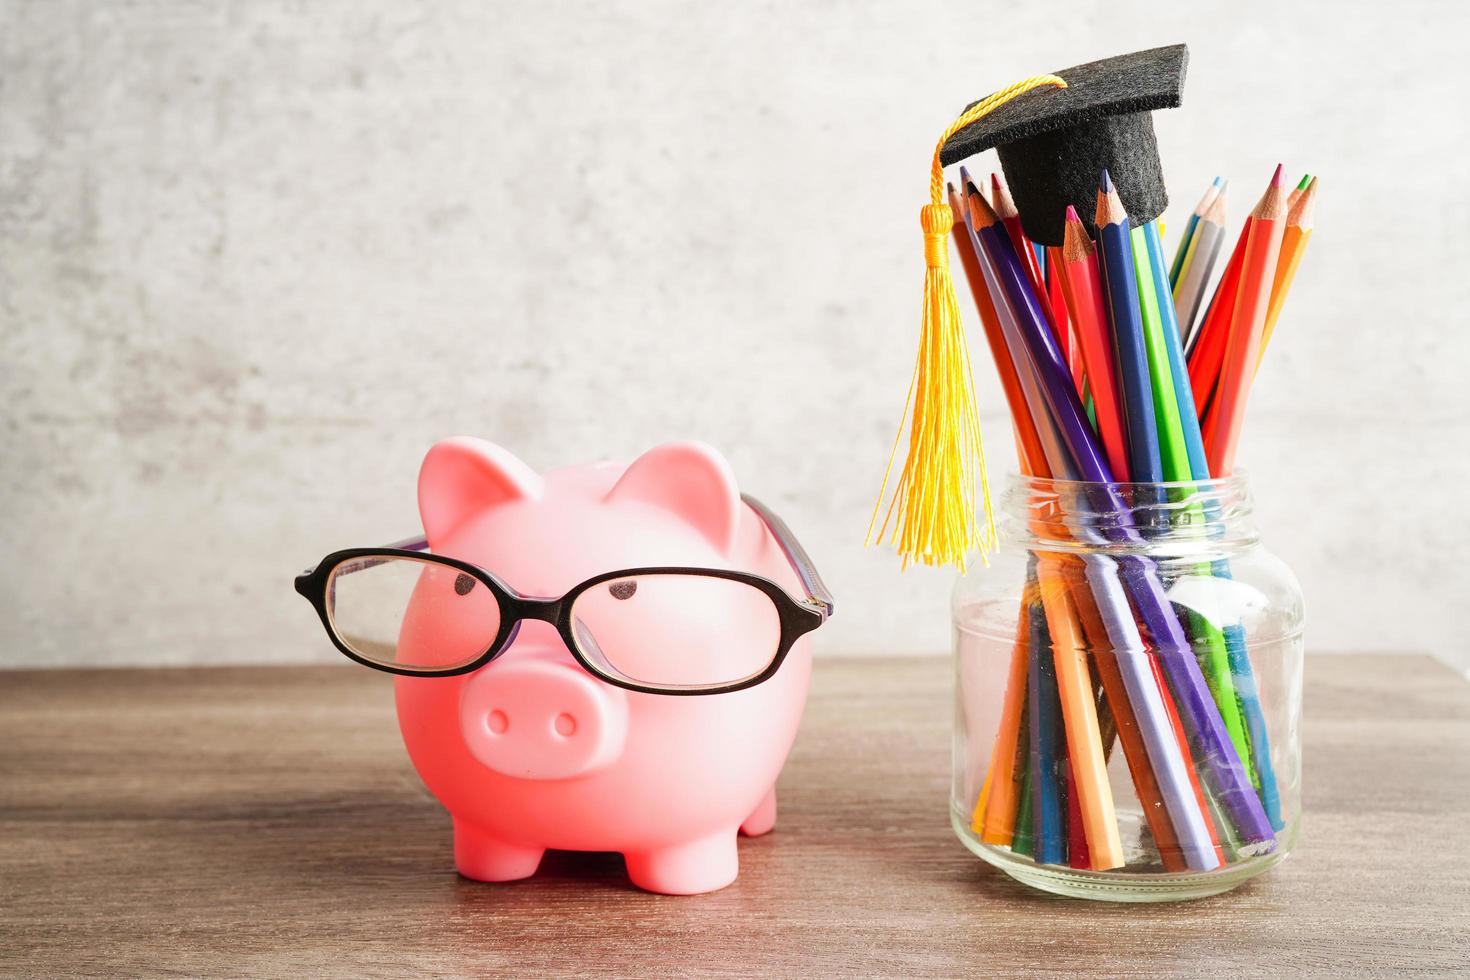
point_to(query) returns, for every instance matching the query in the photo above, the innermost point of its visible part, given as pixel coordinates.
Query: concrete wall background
(256, 257)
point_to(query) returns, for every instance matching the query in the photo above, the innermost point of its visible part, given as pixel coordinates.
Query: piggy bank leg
(762, 819)
(686, 869)
(482, 857)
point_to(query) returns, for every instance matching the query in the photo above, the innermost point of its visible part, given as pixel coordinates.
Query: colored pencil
(1023, 842)
(1138, 576)
(1057, 299)
(1122, 630)
(1078, 855)
(1081, 284)
(1298, 190)
(1293, 247)
(1204, 251)
(995, 816)
(1173, 459)
(1219, 667)
(1243, 348)
(1188, 835)
(1079, 713)
(1135, 751)
(1241, 687)
(1207, 350)
(1216, 188)
(1115, 260)
(1201, 800)
(1047, 813)
(1068, 651)
(1053, 461)
(1028, 444)
(1005, 208)
(1048, 456)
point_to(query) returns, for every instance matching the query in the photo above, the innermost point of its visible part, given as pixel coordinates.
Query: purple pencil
(1219, 762)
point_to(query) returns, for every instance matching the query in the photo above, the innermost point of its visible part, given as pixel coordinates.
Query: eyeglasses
(660, 630)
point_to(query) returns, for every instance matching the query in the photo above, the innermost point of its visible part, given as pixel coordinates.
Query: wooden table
(266, 821)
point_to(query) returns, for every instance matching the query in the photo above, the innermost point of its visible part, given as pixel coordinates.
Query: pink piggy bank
(647, 670)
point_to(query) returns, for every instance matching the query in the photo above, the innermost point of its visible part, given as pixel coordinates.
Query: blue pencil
(1047, 809)
(1240, 666)
(1115, 262)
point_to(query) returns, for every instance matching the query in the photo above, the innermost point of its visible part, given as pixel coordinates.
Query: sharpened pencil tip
(1072, 214)
(1277, 179)
(1219, 181)
(1105, 182)
(964, 175)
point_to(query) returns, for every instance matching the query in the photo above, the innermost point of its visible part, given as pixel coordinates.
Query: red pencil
(1005, 209)
(1077, 853)
(1189, 766)
(1058, 302)
(1243, 349)
(1208, 351)
(1082, 291)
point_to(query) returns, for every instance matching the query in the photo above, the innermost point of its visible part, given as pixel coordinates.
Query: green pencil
(1022, 840)
(1209, 641)
(1172, 452)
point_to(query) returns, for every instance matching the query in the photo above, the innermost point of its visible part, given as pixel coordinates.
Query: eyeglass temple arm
(417, 543)
(816, 590)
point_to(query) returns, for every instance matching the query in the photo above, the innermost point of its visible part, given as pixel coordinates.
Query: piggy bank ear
(693, 481)
(462, 477)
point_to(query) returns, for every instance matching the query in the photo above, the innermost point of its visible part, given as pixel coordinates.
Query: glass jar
(1128, 692)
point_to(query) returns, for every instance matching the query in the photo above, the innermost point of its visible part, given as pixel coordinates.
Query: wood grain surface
(266, 821)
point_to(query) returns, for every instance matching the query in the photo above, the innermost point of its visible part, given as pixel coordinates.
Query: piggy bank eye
(623, 590)
(464, 584)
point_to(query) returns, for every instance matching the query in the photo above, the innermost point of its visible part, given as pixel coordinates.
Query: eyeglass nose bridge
(538, 608)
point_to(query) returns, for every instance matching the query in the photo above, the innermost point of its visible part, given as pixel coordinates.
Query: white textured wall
(256, 257)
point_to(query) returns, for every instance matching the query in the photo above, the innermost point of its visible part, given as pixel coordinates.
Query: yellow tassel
(932, 511)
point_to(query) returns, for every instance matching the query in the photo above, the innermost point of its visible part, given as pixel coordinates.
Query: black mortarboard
(1053, 143)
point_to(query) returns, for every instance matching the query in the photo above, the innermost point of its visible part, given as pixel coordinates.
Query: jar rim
(1082, 513)
(1237, 482)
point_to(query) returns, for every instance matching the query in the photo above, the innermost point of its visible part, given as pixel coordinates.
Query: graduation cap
(1054, 136)
(1053, 142)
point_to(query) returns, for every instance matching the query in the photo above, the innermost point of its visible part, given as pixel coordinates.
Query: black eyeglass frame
(797, 617)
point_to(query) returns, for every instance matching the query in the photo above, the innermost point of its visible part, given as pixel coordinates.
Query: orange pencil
(1293, 246)
(994, 817)
(1135, 752)
(1076, 269)
(1243, 348)
(1089, 763)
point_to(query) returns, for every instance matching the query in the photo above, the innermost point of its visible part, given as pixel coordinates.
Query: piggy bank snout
(542, 720)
